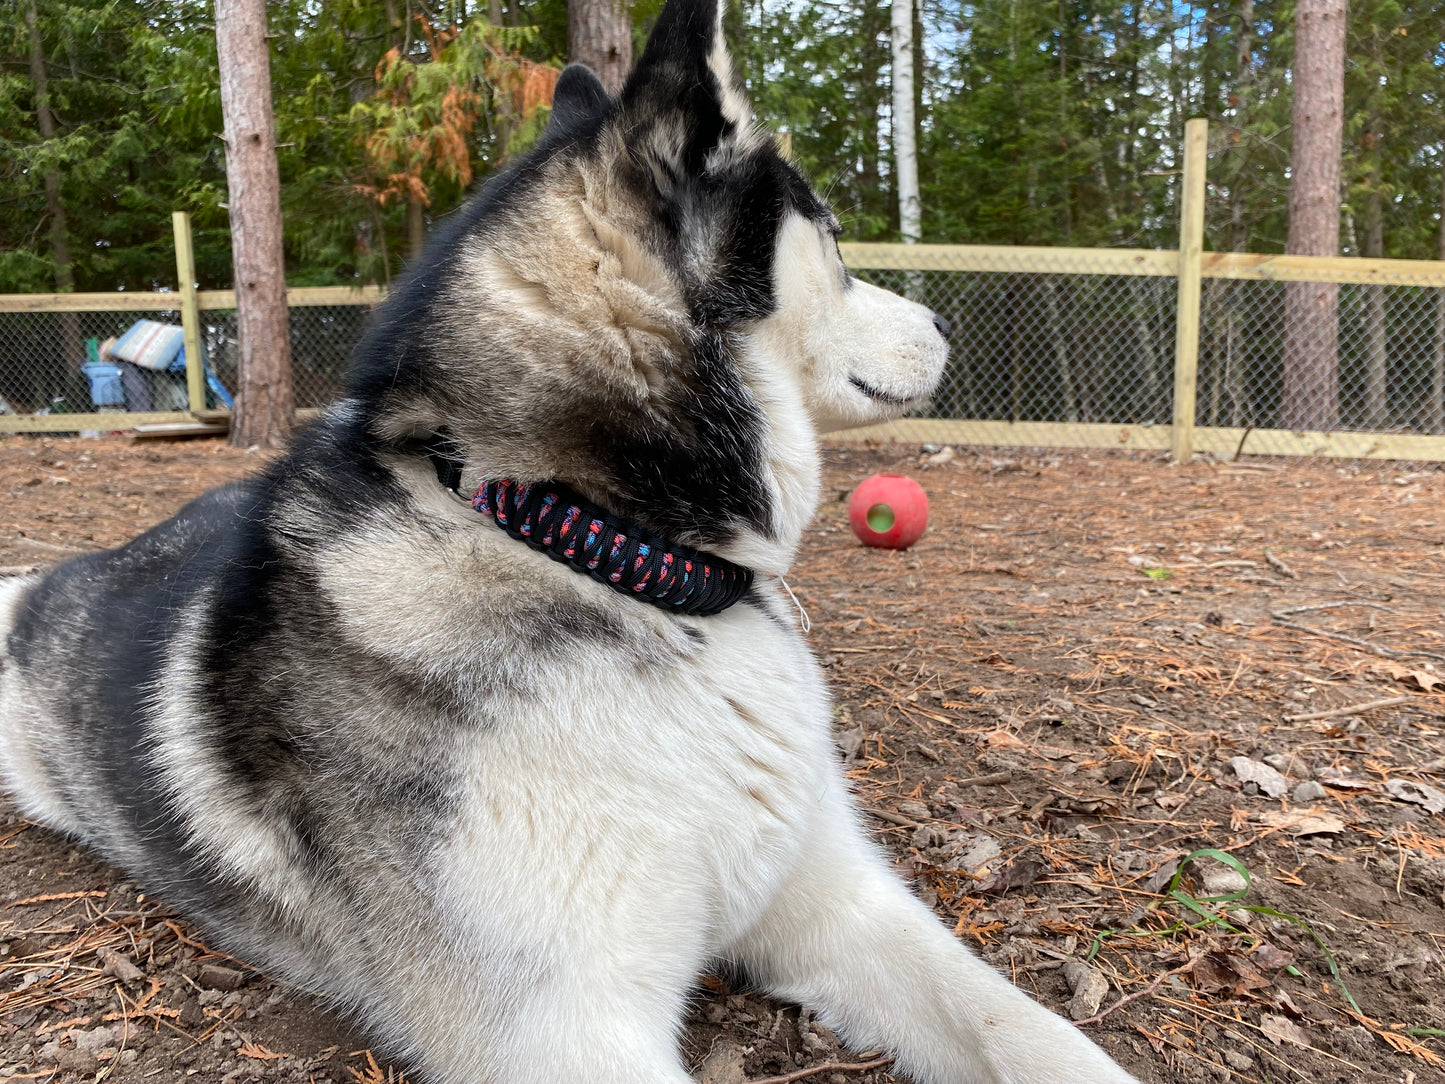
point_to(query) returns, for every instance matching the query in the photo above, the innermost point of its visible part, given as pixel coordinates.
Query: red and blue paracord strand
(552, 518)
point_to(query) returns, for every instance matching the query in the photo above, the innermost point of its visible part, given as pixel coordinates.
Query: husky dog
(448, 714)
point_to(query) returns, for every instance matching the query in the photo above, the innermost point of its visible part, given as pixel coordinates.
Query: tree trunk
(1066, 202)
(1310, 396)
(1437, 361)
(265, 402)
(70, 337)
(1149, 401)
(905, 146)
(45, 121)
(1055, 316)
(599, 34)
(1377, 415)
(1234, 377)
(1243, 84)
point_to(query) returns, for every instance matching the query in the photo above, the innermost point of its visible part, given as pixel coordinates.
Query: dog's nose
(944, 327)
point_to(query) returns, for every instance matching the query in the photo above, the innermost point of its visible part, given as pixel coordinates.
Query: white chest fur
(668, 800)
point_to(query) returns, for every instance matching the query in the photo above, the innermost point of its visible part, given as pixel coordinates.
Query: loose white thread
(803, 619)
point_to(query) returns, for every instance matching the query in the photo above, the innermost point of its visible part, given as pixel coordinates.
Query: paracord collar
(553, 518)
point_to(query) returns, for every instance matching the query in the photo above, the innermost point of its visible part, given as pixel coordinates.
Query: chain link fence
(1050, 348)
(41, 354)
(322, 338)
(1078, 348)
(1381, 372)
(44, 357)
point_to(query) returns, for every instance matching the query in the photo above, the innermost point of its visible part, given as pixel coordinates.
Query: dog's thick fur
(498, 811)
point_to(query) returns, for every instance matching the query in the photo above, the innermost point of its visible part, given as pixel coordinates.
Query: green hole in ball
(880, 517)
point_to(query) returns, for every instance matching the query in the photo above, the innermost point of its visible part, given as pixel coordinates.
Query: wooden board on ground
(180, 430)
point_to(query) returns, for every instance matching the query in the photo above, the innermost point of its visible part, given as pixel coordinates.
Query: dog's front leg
(845, 937)
(557, 1025)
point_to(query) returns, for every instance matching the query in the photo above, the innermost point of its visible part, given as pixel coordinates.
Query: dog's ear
(578, 97)
(684, 101)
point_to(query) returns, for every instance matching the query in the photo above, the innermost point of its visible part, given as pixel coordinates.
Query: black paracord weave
(551, 517)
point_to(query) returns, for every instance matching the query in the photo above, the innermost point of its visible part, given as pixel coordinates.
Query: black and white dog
(482, 710)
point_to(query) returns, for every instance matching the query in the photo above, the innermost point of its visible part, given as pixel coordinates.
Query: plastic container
(106, 389)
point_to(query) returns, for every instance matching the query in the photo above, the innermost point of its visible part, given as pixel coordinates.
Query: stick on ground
(831, 1067)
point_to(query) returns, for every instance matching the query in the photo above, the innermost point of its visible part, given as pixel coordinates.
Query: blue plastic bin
(105, 385)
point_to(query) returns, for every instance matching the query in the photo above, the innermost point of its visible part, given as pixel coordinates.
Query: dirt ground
(1092, 668)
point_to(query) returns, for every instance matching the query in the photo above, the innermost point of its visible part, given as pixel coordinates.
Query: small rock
(77, 1061)
(1355, 1039)
(716, 1013)
(120, 966)
(1221, 880)
(942, 456)
(1089, 987)
(917, 810)
(1235, 1060)
(1278, 761)
(982, 850)
(93, 1041)
(220, 978)
(929, 835)
(723, 1065)
(1308, 791)
(191, 1014)
(1267, 779)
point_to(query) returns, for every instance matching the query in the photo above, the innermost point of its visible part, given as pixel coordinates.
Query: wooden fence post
(1191, 251)
(190, 311)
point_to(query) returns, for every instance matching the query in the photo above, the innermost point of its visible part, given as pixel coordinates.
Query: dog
(482, 710)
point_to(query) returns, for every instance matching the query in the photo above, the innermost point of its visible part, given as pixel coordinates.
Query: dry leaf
(1215, 971)
(1406, 1045)
(259, 1052)
(1271, 957)
(976, 854)
(372, 1073)
(1408, 791)
(1340, 782)
(1018, 874)
(1417, 679)
(1268, 780)
(1281, 1029)
(1161, 877)
(1300, 823)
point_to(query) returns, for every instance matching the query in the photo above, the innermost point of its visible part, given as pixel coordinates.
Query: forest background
(1040, 122)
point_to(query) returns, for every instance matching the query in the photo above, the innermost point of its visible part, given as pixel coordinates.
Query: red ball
(889, 511)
